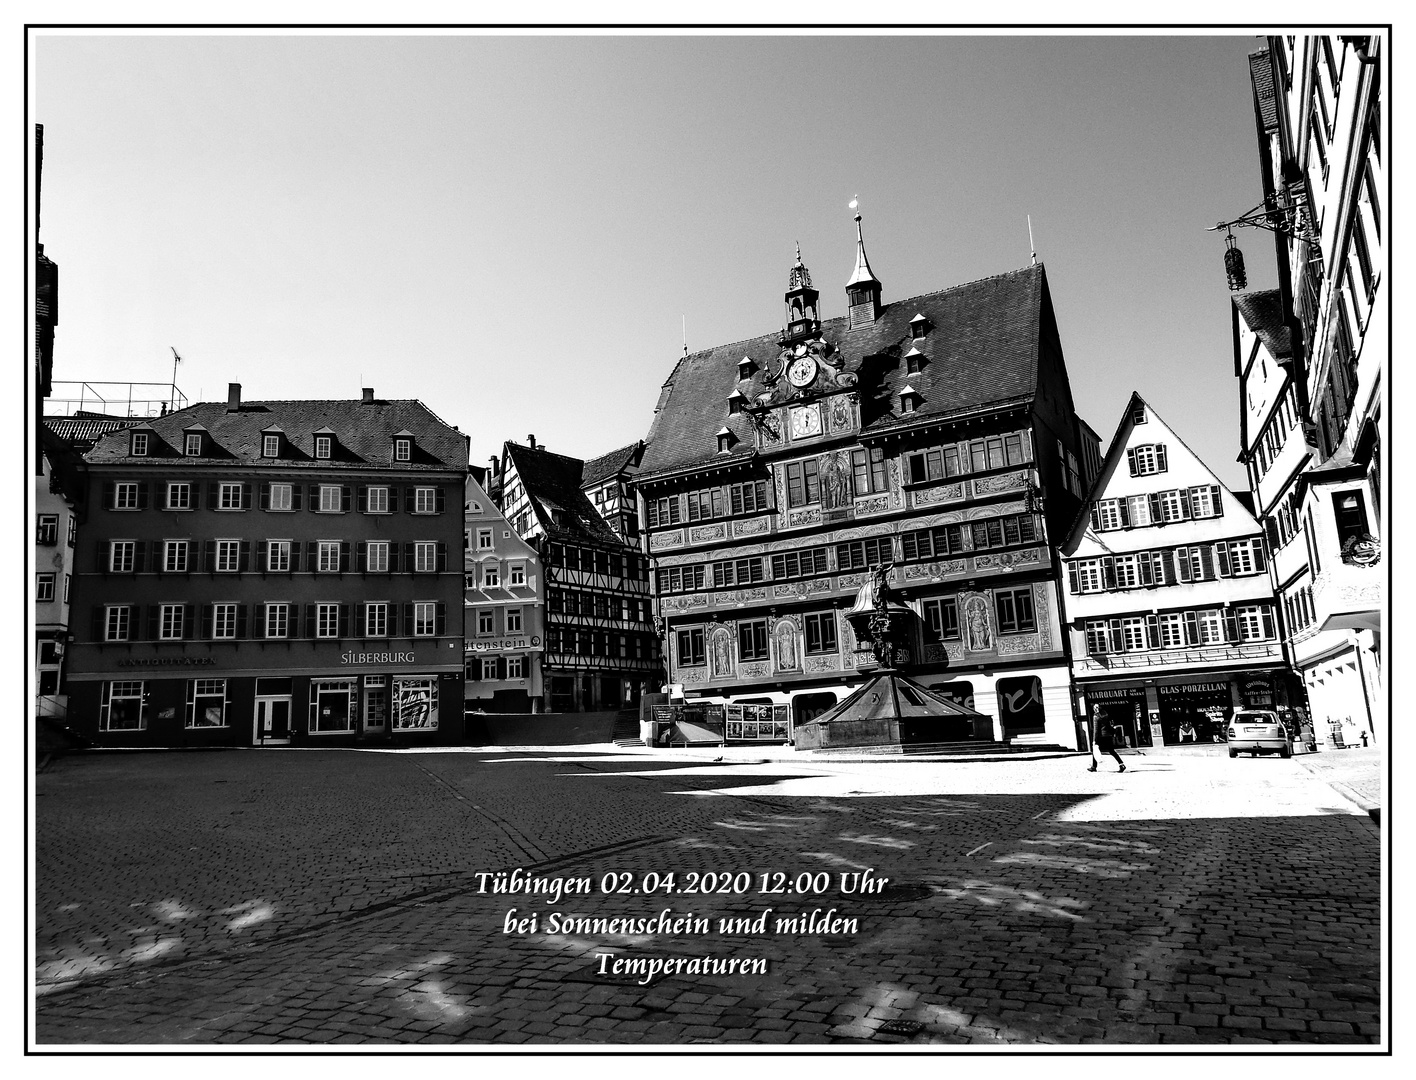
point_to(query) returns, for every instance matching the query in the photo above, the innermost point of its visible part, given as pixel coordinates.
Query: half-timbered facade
(600, 648)
(936, 435)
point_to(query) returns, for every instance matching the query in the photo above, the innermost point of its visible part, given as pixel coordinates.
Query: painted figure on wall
(785, 638)
(976, 618)
(835, 481)
(722, 653)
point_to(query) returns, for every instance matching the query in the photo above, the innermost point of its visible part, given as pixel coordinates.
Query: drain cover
(900, 1027)
(894, 894)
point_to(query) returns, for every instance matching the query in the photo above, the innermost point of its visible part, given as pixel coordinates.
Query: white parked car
(1258, 731)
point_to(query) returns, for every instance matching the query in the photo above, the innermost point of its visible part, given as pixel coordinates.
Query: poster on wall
(415, 704)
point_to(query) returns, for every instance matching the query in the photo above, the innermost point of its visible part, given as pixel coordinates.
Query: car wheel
(1234, 753)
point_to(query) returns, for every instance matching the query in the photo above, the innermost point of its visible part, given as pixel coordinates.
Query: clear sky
(515, 228)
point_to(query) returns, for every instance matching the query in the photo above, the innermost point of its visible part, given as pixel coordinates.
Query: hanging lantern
(1234, 266)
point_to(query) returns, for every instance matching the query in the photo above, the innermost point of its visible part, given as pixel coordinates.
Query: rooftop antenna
(1030, 241)
(175, 361)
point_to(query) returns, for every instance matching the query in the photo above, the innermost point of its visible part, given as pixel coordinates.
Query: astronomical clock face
(801, 371)
(805, 422)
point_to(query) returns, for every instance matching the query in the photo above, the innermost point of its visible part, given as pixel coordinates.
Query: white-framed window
(140, 444)
(425, 619)
(121, 707)
(484, 539)
(282, 496)
(1139, 509)
(484, 620)
(117, 620)
(179, 495)
(277, 620)
(206, 703)
(516, 574)
(229, 496)
(1145, 460)
(1211, 626)
(192, 445)
(228, 556)
(327, 620)
(332, 706)
(491, 575)
(376, 500)
(1128, 573)
(1172, 505)
(1133, 634)
(323, 445)
(121, 556)
(125, 495)
(402, 449)
(1172, 630)
(47, 530)
(172, 622)
(328, 557)
(44, 588)
(1204, 501)
(1109, 513)
(174, 556)
(1098, 642)
(425, 557)
(1246, 556)
(1089, 577)
(376, 619)
(376, 557)
(223, 621)
(66, 588)
(489, 667)
(375, 701)
(278, 556)
(270, 446)
(331, 499)
(513, 620)
(425, 500)
(1255, 623)
(516, 667)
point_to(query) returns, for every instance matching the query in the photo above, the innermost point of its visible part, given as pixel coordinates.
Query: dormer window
(858, 296)
(734, 403)
(192, 444)
(913, 360)
(270, 446)
(324, 444)
(746, 367)
(909, 399)
(919, 327)
(402, 449)
(726, 439)
(140, 444)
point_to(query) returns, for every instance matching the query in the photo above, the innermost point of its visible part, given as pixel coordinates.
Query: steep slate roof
(599, 469)
(553, 483)
(1265, 101)
(1262, 313)
(83, 428)
(363, 435)
(982, 350)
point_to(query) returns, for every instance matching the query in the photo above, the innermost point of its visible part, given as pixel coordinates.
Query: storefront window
(415, 704)
(206, 703)
(331, 706)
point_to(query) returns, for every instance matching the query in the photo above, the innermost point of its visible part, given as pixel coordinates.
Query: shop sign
(377, 658)
(1117, 694)
(169, 661)
(504, 644)
(1185, 689)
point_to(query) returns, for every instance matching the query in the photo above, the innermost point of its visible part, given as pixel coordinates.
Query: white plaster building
(1168, 603)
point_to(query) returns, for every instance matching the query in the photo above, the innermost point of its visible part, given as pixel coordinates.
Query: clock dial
(802, 371)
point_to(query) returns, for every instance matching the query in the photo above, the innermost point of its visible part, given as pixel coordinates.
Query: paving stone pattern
(327, 897)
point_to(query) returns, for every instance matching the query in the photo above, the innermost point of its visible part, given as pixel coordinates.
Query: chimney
(532, 440)
(233, 397)
(492, 465)
(368, 395)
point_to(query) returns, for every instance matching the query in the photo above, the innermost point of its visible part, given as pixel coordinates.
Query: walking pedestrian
(1104, 741)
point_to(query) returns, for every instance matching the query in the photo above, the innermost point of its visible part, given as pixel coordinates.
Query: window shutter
(245, 496)
(363, 503)
(139, 556)
(213, 494)
(1096, 519)
(1182, 564)
(1192, 628)
(1206, 571)
(189, 621)
(1266, 613)
(344, 557)
(1216, 500)
(410, 503)
(501, 667)
(1160, 465)
(409, 559)
(442, 557)
(1160, 567)
(361, 557)
(1153, 631)
(312, 556)
(408, 626)
(1117, 642)
(345, 498)
(209, 556)
(261, 559)
(1231, 625)
(1131, 461)
(154, 621)
(442, 628)
(1221, 554)
(194, 493)
(143, 495)
(96, 627)
(344, 620)
(243, 556)
(296, 490)
(206, 622)
(1108, 572)
(265, 495)
(241, 620)
(1124, 509)
(258, 620)
(473, 667)
(392, 499)
(311, 611)
(1143, 561)
(439, 500)
(109, 494)
(1073, 581)
(1257, 546)
(393, 620)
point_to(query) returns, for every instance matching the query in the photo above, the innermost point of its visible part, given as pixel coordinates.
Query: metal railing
(116, 399)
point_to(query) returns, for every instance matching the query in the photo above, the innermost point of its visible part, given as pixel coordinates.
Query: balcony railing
(116, 399)
(1258, 650)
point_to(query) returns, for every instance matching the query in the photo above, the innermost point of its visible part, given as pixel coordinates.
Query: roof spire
(863, 272)
(863, 289)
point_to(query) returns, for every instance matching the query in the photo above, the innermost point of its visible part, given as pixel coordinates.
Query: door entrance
(272, 721)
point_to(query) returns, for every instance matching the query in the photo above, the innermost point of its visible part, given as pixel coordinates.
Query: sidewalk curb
(1373, 810)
